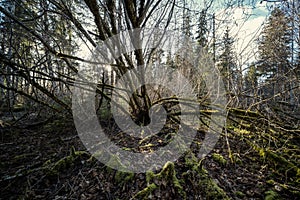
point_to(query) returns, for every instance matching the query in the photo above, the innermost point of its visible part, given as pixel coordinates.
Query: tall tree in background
(16, 46)
(274, 46)
(227, 62)
(298, 42)
(202, 30)
(251, 85)
(35, 38)
(275, 56)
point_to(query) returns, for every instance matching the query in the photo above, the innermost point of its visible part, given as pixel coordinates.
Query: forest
(150, 99)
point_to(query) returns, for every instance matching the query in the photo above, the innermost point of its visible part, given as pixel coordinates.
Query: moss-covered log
(65, 162)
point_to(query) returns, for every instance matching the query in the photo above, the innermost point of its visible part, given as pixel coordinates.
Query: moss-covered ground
(253, 159)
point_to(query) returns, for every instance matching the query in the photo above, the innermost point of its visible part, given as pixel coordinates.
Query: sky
(244, 18)
(245, 23)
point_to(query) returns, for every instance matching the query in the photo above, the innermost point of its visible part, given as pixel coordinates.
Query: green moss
(18, 108)
(190, 159)
(210, 189)
(104, 113)
(63, 163)
(239, 194)
(127, 149)
(286, 165)
(144, 194)
(246, 114)
(115, 163)
(219, 159)
(296, 193)
(237, 159)
(147, 145)
(95, 155)
(271, 195)
(192, 162)
(298, 172)
(261, 152)
(271, 182)
(149, 176)
(47, 163)
(241, 131)
(22, 156)
(167, 174)
(123, 177)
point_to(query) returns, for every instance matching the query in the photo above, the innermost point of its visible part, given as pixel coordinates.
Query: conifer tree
(227, 62)
(274, 45)
(201, 33)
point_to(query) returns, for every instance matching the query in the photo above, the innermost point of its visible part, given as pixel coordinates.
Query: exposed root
(165, 178)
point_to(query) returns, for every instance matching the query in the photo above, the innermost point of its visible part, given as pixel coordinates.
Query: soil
(49, 161)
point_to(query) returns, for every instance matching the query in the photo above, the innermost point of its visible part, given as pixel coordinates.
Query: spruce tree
(201, 33)
(227, 62)
(274, 45)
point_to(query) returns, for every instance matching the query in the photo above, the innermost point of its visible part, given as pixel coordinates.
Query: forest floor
(49, 161)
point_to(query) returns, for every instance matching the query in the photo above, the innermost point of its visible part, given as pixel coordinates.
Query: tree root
(208, 187)
(167, 176)
(204, 185)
